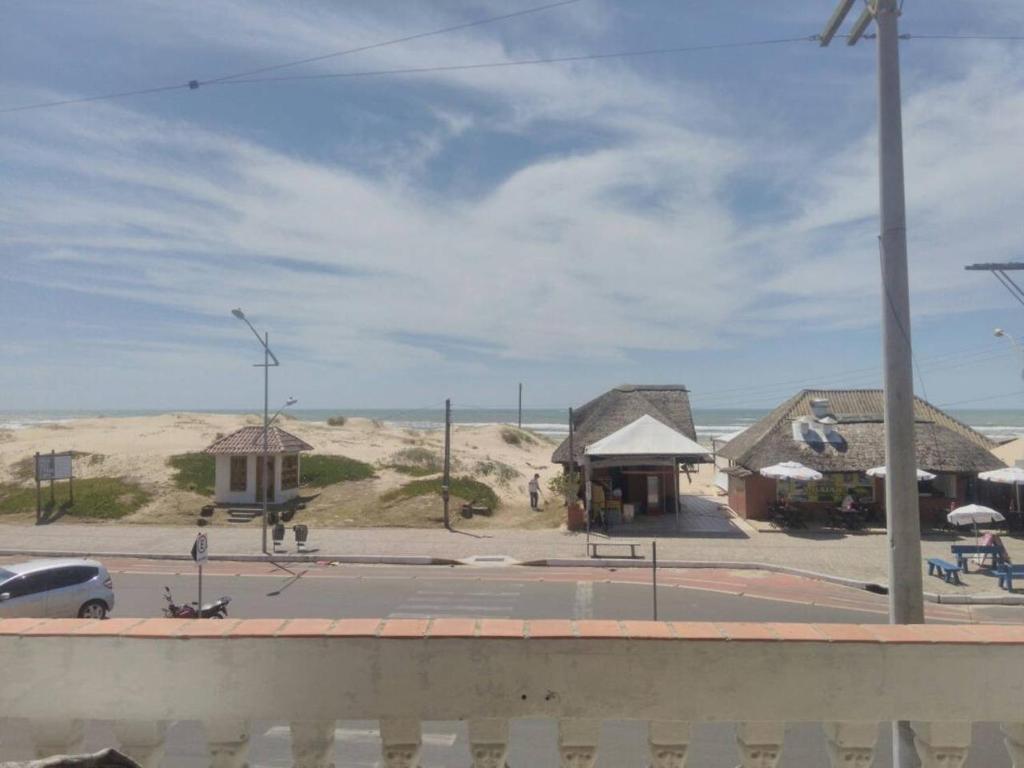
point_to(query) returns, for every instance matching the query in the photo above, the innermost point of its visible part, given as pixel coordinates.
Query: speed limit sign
(199, 549)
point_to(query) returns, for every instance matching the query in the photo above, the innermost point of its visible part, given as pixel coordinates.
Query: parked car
(66, 588)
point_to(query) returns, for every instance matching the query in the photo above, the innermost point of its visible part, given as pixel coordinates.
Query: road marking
(583, 606)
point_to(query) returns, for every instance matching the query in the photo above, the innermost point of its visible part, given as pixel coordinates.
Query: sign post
(200, 551)
(56, 466)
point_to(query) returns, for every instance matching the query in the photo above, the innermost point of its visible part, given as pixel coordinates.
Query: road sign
(200, 549)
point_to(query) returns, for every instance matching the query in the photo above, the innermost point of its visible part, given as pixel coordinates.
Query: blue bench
(1006, 572)
(939, 567)
(962, 550)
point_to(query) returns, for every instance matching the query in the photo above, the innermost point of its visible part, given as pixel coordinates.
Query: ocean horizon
(710, 423)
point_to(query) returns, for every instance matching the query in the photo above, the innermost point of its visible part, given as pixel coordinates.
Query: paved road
(353, 591)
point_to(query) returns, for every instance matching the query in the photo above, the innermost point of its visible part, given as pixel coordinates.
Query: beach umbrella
(972, 514)
(880, 472)
(1007, 475)
(791, 470)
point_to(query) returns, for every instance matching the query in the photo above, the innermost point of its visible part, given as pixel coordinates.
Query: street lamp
(1000, 333)
(266, 365)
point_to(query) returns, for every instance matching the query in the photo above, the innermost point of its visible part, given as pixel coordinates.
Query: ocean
(711, 423)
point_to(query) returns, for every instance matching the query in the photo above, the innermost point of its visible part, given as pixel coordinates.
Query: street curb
(868, 586)
(308, 557)
(316, 557)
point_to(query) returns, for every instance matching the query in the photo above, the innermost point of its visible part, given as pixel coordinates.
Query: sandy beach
(137, 449)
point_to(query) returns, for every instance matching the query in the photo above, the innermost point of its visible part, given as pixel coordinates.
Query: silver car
(66, 588)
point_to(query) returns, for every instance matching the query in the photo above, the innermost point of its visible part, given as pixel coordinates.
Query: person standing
(534, 487)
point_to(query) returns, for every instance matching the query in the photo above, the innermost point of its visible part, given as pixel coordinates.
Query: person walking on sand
(534, 487)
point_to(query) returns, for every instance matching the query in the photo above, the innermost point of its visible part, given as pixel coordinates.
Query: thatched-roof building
(619, 407)
(630, 442)
(841, 433)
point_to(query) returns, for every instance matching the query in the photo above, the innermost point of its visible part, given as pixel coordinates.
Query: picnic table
(964, 551)
(786, 516)
(852, 519)
(1006, 573)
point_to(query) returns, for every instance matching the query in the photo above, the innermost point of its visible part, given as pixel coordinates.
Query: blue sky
(706, 218)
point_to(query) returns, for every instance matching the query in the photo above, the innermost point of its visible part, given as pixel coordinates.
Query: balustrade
(228, 675)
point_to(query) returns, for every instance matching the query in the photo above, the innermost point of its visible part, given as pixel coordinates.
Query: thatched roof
(249, 440)
(669, 404)
(855, 440)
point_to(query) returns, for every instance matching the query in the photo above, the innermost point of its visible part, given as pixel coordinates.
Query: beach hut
(241, 477)
(633, 439)
(841, 433)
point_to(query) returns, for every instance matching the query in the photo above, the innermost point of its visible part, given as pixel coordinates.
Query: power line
(406, 39)
(244, 77)
(524, 62)
(983, 399)
(195, 84)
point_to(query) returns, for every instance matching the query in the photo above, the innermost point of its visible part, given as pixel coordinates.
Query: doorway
(268, 485)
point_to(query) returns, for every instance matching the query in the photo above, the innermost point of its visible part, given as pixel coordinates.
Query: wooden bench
(620, 544)
(1006, 572)
(939, 567)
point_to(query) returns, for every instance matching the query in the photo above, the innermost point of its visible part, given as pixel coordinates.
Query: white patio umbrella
(972, 514)
(880, 472)
(1009, 476)
(791, 470)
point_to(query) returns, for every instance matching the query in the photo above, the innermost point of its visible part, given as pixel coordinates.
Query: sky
(706, 218)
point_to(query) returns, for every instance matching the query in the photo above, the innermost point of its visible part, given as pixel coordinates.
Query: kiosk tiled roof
(249, 440)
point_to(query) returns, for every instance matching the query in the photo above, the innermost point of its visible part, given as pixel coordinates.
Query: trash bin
(301, 535)
(278, 534)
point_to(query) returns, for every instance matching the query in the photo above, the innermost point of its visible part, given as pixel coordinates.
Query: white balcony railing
(143, 674)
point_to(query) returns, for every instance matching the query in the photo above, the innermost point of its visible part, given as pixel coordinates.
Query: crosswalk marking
(431, 602)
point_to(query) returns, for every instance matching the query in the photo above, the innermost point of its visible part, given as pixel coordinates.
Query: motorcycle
(215, 610)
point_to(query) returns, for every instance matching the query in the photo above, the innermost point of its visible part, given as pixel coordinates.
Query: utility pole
(446, 482)
(906, 603)
(520, 422)
(569, 489)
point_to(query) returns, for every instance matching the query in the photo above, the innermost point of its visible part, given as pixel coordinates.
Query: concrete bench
(619, 544)
(944, 570)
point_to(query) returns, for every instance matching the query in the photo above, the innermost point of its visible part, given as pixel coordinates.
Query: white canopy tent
(645, 441)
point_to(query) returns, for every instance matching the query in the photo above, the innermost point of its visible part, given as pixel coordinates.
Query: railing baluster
(142, 740)
(669, 741)
(577, 742)
(488, 743)
(851, 744)
(401, 742)
(942, 745)
(227, 741)
(1014, 740)
(54, 736)
(760, 744)
(313, 743)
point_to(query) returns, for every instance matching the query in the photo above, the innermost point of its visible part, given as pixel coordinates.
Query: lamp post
(266, 365)
(999, 332)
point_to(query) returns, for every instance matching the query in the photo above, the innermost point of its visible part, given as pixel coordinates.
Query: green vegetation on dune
(194, 472)
(502, 472)
(318, 470)
(465, 488)
(336, 421)
(417, 461)
(516, 436)
(101, 498)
